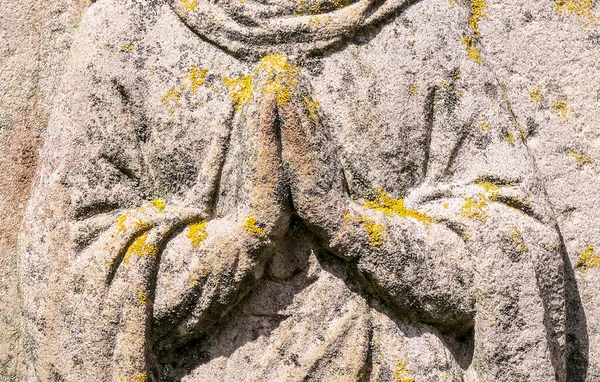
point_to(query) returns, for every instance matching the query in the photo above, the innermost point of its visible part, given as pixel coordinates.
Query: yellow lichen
(347, 216)
(240, 90)
(198, 274)
(121, 222)
(127, 47)
(139, 248)
(581, 8)
(139, 224)
(535, 95)
(197, 233)
(159, 204)
(391, 206)
(413, 90)
(446, 205)
(281, 76)
(190, 5)
(312, 106)
(489, 187)
(561, 109)
(142, 225)
(517, 238)
(142, 377)
(580, 158)
(402, 372)
(196, 77)
(472, 49)
(451, 3)
(475, 209)
(374, 230)
(484, 126)
(523, 132)
(251, 227)
(341, 3)
(411, 42)
(510, 137)
(141, 297)
(588, 259)
(172, 99)
(477, 13)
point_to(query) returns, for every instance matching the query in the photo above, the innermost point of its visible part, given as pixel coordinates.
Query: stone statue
(268, 190)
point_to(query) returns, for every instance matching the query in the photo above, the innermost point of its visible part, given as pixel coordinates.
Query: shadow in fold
(577, 335)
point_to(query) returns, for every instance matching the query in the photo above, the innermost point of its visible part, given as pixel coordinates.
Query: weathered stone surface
(304, 191)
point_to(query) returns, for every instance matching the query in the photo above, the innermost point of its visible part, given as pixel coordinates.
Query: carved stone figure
(268, 190)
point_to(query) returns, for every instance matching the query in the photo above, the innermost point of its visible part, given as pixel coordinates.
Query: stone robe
(180, 229)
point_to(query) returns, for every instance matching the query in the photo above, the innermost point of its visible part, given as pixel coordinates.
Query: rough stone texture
(34, 43)
(284, 253)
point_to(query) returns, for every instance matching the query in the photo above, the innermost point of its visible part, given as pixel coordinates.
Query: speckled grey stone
(312, 191)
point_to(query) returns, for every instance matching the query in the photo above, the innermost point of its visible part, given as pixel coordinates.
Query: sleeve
(93, 237)
(471, 247)
(90, 171)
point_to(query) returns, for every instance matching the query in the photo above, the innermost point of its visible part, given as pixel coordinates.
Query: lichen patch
(402, 372)
(588, 259)
(477, 13)
(390, 206)
(250, 226)
(140, 249)
(197, 233)
(374, 230)
(580, 8)
(472, 50)
(240, 90)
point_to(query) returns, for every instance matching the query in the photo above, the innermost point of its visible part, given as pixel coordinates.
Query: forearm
(204, 272)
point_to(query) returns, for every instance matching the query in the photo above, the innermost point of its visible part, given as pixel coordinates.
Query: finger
(310, 156)
(267, 191)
